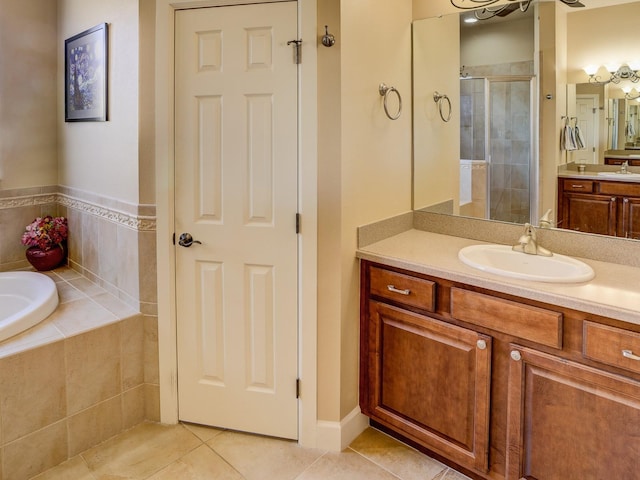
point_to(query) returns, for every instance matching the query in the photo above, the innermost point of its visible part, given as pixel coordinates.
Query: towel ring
(385, 90)
(438, 98)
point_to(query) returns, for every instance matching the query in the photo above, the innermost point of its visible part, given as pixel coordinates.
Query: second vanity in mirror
(514, 85)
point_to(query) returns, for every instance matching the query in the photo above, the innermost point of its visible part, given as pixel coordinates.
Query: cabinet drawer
(571, 185)
(619, 188)
(524, 321)
(607, 344)
(402, 288)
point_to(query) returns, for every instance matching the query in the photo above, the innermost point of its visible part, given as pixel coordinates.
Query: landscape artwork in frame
(85, 79)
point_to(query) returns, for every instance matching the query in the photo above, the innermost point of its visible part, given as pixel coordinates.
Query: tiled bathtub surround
(110, 242)
(85, 374)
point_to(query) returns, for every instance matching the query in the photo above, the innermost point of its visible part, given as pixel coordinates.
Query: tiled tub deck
(85, 374)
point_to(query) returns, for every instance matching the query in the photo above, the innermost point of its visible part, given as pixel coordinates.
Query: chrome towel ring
(385, 90)
(439, 99)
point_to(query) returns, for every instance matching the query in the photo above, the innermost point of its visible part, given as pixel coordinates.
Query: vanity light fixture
(485, 11)
(628, 95)
(502, 10)
(617, 73)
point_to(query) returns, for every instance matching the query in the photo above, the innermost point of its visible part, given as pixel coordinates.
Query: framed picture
(85, 77)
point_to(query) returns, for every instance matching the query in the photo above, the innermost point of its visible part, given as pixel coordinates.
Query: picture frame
(85, 77)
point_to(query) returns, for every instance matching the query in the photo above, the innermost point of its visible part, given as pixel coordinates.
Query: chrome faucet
(528, 243)
(624, 166)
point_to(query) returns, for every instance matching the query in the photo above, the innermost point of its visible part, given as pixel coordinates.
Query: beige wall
(28, 92)
(601, 35)
(491, 44)
(102, 157)
(437, 143)
(364, 172)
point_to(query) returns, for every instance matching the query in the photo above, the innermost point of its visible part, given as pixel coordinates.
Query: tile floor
(190, 452)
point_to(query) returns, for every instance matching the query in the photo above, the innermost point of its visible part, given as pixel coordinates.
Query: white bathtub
(26, 298)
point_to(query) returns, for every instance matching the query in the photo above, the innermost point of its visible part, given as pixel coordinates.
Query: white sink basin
(619, 175)
(502, 260)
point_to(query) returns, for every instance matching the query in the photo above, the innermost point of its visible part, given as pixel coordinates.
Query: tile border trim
(143, 223)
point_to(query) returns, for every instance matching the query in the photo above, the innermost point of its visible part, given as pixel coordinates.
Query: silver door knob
(186, 240)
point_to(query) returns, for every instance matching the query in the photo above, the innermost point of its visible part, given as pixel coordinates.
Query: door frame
(307, 207)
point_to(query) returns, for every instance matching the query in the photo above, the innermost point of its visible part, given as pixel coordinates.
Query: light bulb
(591, 69)
(612, 67)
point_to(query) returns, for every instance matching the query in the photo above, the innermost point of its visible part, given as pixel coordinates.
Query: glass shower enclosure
(497, 148)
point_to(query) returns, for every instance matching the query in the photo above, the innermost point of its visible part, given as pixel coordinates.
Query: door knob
(186, 240)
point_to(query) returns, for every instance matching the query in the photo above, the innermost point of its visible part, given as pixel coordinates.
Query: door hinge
(174, 238)
(297, 50)
(298, 222)
(297, 388)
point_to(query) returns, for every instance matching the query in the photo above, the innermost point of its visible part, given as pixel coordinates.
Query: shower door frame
(533, 158)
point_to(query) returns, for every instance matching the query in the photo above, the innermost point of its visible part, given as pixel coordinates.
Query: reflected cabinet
(602, 207)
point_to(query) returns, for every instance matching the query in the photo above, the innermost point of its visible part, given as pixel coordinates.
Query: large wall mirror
(512, 83)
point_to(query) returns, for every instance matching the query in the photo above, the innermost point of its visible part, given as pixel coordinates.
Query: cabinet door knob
(629, 354)
(481, 344)
(515, 355)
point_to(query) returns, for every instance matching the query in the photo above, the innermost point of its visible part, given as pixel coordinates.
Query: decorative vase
(45, 259)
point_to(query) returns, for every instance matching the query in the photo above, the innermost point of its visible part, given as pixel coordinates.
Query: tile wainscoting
(111, 242)
(90, 370)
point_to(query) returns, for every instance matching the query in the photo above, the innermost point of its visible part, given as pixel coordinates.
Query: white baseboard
(336, 436)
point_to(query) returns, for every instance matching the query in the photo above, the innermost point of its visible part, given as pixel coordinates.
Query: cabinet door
(567, 420)
(589, 213)
(430, 381)
(630, 218)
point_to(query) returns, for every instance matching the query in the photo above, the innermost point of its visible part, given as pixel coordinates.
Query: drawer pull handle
(393, 289)
(629, 354)
(577, 186)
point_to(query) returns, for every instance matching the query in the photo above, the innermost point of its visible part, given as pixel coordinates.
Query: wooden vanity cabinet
(499, 386)
(632, 162)
(602, 207)
(422, 377)
(568, 420)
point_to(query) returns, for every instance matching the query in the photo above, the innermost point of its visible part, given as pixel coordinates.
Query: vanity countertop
(614, 292)
(595, 176)
(622, 155)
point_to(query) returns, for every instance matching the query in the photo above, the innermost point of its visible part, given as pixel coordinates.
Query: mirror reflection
(515, 82)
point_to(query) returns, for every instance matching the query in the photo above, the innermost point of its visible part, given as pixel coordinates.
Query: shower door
(497, 148)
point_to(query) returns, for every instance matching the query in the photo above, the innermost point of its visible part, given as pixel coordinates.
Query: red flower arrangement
(46, 232)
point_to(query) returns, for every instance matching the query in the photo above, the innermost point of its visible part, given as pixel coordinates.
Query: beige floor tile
(396, 457)
(451, 474)
(203, 432)
(262, 458)
(74, 469)
(140, 452)
(347, 465)
(199, 464)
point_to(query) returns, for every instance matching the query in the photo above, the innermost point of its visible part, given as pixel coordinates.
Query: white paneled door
(587, 122)
(236, 193)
